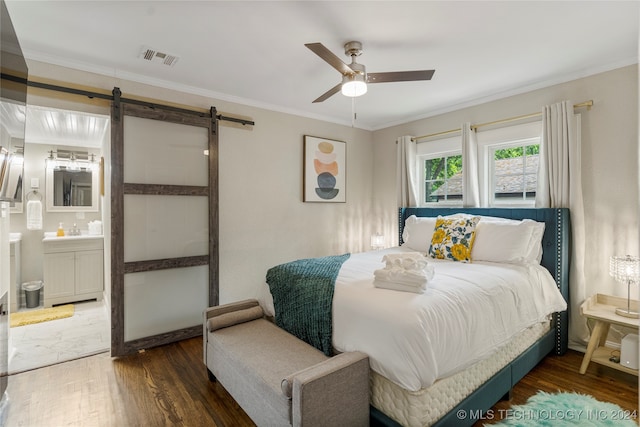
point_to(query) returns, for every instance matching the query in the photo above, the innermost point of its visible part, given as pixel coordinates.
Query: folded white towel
(416, 278)
(407, 261)
(34, 215)
(408, 272)
(403, 255)
(383, 284)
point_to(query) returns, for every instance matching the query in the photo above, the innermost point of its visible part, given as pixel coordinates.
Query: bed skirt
(425, 407)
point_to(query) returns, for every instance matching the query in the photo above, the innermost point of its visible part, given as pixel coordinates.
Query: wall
(609, 161)
(263, 221)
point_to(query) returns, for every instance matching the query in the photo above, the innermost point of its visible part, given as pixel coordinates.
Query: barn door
(164, 211)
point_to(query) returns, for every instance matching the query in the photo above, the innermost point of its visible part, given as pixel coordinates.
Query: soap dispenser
(60, 230)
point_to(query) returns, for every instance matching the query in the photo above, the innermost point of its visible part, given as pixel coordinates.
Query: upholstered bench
(278, 379)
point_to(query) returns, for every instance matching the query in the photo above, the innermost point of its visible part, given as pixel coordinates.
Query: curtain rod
(587, 104)
(91, 94)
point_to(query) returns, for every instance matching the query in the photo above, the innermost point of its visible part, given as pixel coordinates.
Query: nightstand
(602, 309)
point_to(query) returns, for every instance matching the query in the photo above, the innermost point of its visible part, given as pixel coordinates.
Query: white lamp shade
(625, 269)
(353, 85)
(377, 241)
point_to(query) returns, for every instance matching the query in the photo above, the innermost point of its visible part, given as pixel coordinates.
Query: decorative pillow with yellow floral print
(453, 238)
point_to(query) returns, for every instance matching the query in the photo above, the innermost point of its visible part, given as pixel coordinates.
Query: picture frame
(324, 170)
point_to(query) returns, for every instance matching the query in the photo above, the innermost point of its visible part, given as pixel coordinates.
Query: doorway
(75, 142)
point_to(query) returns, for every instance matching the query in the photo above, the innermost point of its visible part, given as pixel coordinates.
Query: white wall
(263, 221)
(609, 160)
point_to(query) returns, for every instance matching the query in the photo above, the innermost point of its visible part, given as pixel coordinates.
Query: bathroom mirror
(72, 190)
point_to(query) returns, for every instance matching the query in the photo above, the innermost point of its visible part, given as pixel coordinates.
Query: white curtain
(406, 175)
(470, 185)
(560, 186)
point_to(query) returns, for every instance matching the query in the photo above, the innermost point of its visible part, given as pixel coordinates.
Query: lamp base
(627, 313)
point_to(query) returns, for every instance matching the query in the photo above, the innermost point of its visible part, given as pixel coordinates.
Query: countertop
(51, 236)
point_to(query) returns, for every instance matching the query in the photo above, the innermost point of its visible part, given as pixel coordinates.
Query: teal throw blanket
(302, 293)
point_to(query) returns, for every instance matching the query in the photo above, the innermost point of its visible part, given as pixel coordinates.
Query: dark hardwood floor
(168, 386)
(163, 386)
(561, 373)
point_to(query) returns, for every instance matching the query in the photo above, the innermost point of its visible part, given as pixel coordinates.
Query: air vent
(153, 55)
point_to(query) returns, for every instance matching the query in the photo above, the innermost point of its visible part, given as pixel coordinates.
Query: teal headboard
(555, 247)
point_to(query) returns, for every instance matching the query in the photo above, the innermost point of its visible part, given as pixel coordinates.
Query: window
(442, 179)
(514, 172)
(508, 165)
(439, 171)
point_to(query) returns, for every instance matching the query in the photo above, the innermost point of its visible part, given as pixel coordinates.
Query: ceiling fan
(354, 75)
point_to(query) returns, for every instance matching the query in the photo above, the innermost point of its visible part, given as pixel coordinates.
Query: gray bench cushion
(264, 356)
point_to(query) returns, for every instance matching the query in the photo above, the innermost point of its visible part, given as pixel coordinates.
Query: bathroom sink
(15, 237)
(84, 234)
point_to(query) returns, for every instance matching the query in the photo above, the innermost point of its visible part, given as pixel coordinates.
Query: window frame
(492, 148)
(505, 137)
(445, 147)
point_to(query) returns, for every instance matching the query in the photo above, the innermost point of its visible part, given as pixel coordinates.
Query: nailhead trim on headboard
(558, 278)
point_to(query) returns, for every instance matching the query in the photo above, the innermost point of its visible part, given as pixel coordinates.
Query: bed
(445, 381)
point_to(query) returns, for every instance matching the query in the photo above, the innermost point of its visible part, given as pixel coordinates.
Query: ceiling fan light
(353, 85)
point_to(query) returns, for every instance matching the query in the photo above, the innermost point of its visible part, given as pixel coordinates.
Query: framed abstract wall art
(325, 174)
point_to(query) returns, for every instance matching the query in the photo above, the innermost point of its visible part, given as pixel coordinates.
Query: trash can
(32, 293)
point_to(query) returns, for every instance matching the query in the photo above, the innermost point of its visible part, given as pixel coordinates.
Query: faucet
(75, 231)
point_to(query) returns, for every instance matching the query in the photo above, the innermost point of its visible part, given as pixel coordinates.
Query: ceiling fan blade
(329, 93)
(329, 57)
(400, 76)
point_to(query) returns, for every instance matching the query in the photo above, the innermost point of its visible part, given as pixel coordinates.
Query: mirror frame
(17, 204)
(95, 189)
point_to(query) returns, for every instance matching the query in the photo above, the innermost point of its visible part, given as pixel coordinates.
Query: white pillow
(417, 232)
(507, 240)
(535, 245)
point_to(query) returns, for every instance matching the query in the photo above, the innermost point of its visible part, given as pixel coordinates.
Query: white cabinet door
(59, 275)
(89, 272)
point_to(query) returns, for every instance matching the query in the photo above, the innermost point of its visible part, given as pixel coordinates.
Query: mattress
(467, 312)
(424, 407)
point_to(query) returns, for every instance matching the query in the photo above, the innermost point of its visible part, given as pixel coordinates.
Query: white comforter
(466, 312)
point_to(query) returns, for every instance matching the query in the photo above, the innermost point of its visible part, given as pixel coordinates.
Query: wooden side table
(602, 309)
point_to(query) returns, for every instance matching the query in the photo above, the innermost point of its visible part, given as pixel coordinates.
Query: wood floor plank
(168, 386)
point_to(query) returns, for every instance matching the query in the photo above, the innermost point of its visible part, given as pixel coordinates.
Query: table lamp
(377, 241)
(625, 269)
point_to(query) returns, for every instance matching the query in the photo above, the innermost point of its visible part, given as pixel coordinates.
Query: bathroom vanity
(73, 268)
